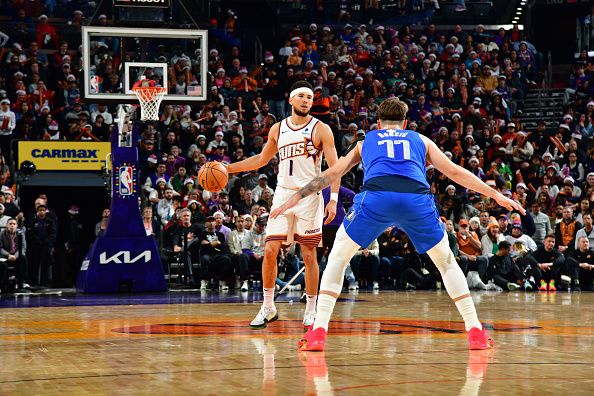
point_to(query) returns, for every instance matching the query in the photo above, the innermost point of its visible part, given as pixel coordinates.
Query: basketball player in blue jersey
(299, 140)
(395, 192)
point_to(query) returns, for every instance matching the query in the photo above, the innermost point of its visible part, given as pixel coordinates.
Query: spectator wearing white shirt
(484, 220)
(3, 218)
(217, 142)
(490, 241)
(458, 49)
(350, 136)
(255, 239)
(7, 118)
(102, 110)
(520, 242)
(17, 50)
(236, 242)
(165, 206)
(550, 189)
(222, 117)
(7, 125)
(286, 50)
(362, 32)
(262, 185)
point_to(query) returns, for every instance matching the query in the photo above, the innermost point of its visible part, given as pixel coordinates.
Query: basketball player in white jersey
(299, 141)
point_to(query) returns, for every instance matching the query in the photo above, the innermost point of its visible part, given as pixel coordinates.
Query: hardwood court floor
(388, 343)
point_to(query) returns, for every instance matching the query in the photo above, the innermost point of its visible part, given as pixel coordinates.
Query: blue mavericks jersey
(395, 191)
(390, 152)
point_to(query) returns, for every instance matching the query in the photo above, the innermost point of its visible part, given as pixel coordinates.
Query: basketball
(213, 176)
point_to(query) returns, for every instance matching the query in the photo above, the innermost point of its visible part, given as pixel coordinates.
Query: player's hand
(330, 212)
(226, 165)
(509, 204)
(284, 207)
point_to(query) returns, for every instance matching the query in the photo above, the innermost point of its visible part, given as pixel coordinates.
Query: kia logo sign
(124, 257)
(142, 3)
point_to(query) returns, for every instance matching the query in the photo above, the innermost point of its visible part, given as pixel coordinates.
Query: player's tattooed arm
(331, 174)
(318, 183)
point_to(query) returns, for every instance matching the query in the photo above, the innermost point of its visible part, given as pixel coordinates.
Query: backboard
(114, 58)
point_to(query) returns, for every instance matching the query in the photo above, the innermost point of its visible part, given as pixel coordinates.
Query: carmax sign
(64, 155)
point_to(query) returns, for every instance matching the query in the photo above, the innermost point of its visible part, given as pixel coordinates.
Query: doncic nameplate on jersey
(124, 258)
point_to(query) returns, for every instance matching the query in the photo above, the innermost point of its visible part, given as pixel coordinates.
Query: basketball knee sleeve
(453, 278)
(343, 250)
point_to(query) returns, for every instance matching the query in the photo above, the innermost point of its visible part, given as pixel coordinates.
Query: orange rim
(148, 93)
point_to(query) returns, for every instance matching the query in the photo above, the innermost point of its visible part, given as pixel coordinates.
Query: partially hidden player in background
(395, 192)
(299, 140)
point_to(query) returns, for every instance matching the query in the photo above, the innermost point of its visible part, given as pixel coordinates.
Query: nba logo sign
(96, 84)
(126, 180)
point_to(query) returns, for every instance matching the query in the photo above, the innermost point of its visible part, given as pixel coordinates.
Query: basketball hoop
(150, 99)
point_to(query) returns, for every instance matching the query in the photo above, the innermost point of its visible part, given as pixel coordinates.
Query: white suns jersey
(300, 160)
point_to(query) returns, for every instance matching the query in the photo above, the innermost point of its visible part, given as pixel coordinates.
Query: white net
(150, 100)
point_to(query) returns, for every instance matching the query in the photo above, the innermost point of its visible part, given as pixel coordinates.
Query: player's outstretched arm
(466, 178)
(259, 160)
(327, 140)
(318, 183)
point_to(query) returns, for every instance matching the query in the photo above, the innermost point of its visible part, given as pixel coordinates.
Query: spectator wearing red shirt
(46, 35)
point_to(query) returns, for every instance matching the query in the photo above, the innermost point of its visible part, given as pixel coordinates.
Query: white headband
(299, 90)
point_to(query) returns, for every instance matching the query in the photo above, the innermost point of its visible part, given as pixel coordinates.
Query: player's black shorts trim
(395, 183)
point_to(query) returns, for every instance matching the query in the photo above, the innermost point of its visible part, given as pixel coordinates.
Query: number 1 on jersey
(290, 167)
(405, 144)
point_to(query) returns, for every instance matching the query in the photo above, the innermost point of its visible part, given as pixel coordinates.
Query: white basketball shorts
(301, 223)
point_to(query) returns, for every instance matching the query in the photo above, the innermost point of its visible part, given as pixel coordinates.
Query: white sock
(454, 282)
(310, 306)
(324, 312)
(268, 297)
(343, 250)
(466, 308)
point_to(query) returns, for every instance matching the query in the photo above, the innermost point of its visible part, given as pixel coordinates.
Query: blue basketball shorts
(415, 214)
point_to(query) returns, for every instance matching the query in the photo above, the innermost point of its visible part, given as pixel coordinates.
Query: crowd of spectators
(465, 90)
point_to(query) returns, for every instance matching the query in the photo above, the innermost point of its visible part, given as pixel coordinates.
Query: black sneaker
(576, 287)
